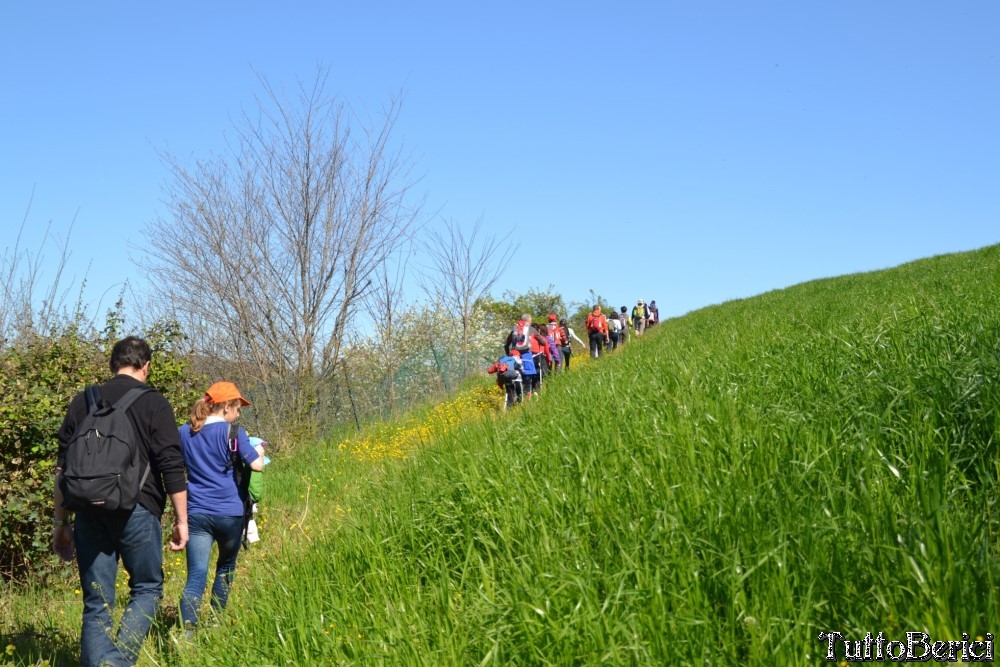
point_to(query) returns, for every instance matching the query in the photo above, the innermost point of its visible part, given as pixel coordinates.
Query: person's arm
(63, 543)
(251, 456)
(165, 451)
(180, 530)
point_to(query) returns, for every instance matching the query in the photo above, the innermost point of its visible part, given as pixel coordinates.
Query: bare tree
(272, 247)
(24, 309)
(384, 305)
(462, 270)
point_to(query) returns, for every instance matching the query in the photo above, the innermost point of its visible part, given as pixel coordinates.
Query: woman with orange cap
(215, 506)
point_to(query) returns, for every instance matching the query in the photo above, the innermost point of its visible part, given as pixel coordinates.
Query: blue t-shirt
(211, 485)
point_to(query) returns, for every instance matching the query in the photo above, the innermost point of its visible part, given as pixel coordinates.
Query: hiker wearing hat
(558, 333)
(639, 316)
(215, 506)
(551, 335)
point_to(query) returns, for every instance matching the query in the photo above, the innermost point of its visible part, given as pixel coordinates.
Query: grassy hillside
(820, 458)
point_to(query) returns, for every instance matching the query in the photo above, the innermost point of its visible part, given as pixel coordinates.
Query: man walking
(597, 329)
(639, 315)
(102, 537)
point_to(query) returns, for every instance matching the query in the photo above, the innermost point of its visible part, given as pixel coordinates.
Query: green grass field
(820, 458)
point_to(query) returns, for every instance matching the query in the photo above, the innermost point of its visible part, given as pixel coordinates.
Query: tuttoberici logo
(918, 647)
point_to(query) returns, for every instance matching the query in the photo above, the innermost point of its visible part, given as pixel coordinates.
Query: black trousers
(596, 343)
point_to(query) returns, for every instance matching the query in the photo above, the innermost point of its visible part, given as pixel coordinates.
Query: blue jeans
(101, 540)
(203, 530)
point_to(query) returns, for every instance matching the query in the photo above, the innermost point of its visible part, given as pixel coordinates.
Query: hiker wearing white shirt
(567, 353)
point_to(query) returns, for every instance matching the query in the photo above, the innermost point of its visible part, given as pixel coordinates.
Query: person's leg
(199, 549)
(141, 549)
(97, 561)
(566, 352)
(228, 535)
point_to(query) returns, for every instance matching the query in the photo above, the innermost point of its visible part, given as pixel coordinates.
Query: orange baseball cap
(553, 318)
(223, 392)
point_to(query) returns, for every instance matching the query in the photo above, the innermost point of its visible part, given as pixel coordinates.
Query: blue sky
(688, 152)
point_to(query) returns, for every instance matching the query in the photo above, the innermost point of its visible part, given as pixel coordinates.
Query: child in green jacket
(256, 489)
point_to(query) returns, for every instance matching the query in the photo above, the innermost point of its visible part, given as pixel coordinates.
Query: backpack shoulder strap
(126, 401)
(233, 439)
(236, 460)
(93, 396)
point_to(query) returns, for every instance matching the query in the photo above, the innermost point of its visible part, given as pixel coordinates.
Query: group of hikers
(120, 457)
(531, 353)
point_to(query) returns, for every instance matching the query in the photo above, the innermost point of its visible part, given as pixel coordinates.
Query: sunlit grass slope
(718, 492)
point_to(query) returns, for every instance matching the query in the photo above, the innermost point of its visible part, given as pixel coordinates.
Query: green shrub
(38, 377)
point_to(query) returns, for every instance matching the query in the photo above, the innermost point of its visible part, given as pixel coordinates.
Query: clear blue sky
(688, 152)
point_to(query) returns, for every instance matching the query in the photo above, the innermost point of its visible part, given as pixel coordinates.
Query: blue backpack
(509, 368)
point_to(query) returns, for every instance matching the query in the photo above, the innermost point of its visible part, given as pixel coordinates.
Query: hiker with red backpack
(555, 354)
(597, 329)
(558, 333)
(531, 346)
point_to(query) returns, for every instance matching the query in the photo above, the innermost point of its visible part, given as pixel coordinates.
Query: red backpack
(562, 338)
(519, 337)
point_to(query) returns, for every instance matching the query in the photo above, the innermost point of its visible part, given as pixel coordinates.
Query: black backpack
(241, 474)
(101, 471)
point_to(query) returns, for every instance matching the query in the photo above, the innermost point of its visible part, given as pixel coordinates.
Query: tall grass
(717, 492)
